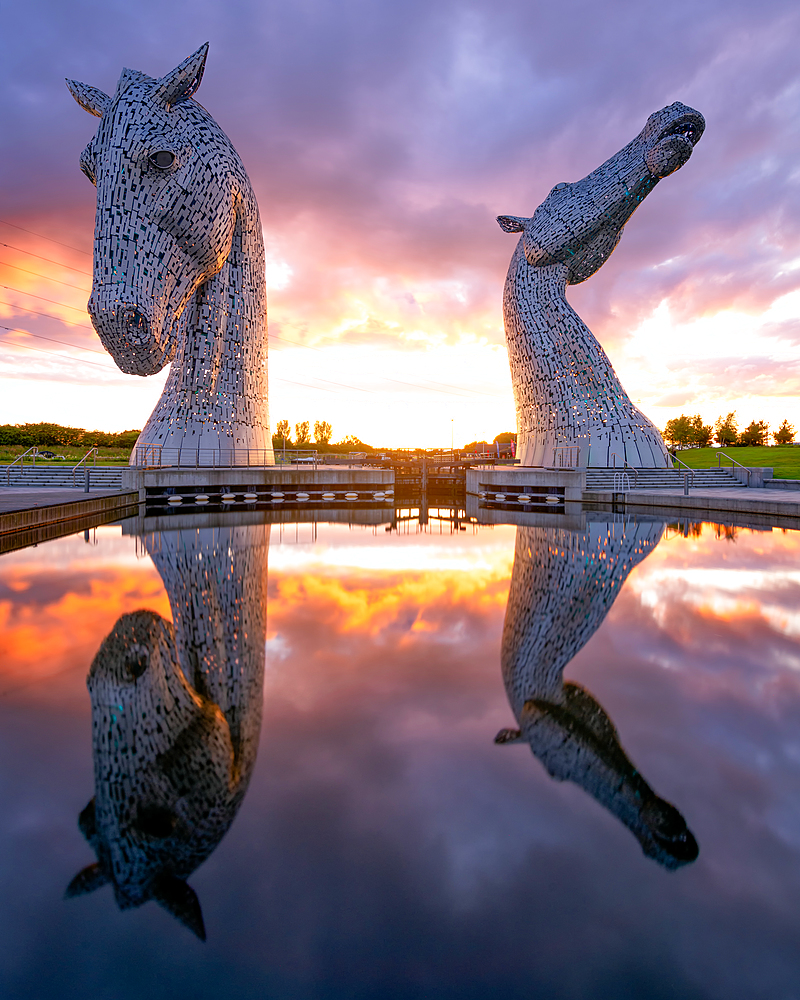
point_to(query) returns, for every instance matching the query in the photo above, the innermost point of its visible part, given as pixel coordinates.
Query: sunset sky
(382, 140)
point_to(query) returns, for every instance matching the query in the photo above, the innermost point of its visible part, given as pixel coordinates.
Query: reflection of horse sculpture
(566, 392)
(179, 260)
(562, 587)
(176, 715)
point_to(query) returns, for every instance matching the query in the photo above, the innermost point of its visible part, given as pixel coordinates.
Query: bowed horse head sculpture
(178, 259)
(176, 718)
(567, 395)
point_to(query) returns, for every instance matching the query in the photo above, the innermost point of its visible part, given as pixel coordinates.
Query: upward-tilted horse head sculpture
(179, 261)
(563, 585)
(567, 395)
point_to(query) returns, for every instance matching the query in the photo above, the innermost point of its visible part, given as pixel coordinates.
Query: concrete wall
(757, 478)
(522, 479)
(244, 478)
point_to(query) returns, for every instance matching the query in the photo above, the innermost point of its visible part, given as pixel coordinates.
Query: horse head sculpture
(566, 392)
(178, 259)
(562, 587)
(176, 716)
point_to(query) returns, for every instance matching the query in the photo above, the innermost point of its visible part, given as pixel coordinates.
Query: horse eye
(162, 159)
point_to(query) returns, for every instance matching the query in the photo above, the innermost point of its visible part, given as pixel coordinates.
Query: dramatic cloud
(382, 139)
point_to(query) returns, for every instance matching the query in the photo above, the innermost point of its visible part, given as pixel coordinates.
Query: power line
(48, 259)
(63, 357)
(48, 238)
(445, 385)
(54, 302)
(46, 278)
(51, 339)
(318, 388)
(414, 385)
(12, 305)
(451, 390)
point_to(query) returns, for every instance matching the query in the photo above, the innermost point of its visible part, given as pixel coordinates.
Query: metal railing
(722, 454)
(33, 452)
(83, 462)
(158, 456)
(688, 476)
(635, 472)
(622, 483)
(566, 456)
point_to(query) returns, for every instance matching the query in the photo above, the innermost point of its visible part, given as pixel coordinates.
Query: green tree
(726, 431)
(301, 433)
(756, 432)
(355, 443)
(701, 433)
(679, 431)
(505, 438)
(784, 434)
(322, 432)
(282, 431)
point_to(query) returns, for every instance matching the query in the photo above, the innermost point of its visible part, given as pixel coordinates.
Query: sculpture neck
(221, 653)
(215, 398)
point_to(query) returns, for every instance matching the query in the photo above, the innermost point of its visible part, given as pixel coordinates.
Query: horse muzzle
(133, 336)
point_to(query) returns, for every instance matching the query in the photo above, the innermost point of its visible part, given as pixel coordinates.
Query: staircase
(645, 480)
(101, 477)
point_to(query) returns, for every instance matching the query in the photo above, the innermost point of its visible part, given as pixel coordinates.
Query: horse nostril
(136, 323)
(137, 661)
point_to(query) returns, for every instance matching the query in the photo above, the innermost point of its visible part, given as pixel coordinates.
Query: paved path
(14, 498)
(785, 503)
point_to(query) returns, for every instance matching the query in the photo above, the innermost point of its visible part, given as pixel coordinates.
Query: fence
(156, 456)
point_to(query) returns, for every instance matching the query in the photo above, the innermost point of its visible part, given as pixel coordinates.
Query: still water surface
(507, 762)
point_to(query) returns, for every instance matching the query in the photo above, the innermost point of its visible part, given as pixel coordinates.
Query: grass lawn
(784, 459)
(105, 456)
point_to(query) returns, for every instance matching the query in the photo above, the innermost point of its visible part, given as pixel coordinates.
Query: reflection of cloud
(386, 842)
(51, 616)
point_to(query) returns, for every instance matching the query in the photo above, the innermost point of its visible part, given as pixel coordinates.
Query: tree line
(58, 436)
(282, 438)
(690, 432)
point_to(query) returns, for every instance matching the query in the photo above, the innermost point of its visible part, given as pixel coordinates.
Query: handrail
(157, 456)
(721, 454)
(91, 451)
(633, 470)
(690, 470)
(33, 451)
(620, 480)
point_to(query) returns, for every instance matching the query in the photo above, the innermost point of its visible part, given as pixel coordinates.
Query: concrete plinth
(264, 481)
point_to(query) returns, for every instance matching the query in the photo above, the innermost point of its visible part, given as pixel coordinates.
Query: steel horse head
(179, 257)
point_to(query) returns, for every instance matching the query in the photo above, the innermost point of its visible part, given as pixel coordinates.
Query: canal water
(330, 761)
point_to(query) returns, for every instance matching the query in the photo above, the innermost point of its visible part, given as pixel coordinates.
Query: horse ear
(183, 81)
(509, 736)
(90, 98)
(87, 880)
(511, 223)
(181, 901)
(87, 821)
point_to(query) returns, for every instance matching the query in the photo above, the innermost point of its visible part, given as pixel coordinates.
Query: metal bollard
(86, 480)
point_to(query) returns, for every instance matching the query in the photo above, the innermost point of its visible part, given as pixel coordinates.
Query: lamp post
(451, 434)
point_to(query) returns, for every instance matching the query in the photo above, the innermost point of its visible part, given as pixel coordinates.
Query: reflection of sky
(387, 847)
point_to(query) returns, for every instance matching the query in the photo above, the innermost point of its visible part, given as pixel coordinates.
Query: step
(644, 479)
(108, 476)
